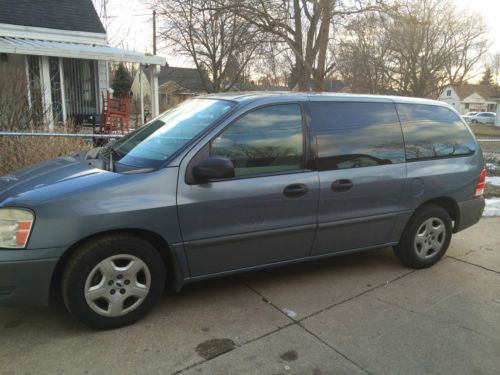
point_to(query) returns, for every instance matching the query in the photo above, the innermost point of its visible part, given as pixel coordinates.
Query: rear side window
(266, 140)
(433, 132)
(354, 135)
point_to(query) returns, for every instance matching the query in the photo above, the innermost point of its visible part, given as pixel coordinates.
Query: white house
(59, 49)
(470, 98)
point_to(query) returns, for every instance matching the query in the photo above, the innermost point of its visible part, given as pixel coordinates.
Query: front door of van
(362, 174)
(265, 214)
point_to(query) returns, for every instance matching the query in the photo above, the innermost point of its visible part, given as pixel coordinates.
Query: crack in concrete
(265, 300)
(356, 296)
(473, 264)
(431, 317)
(298, 322)
(236, 347)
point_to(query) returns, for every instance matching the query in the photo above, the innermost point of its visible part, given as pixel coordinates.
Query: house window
(55, 89)
(466, 105)
(448, 92)
(80, 87)
(35, 88)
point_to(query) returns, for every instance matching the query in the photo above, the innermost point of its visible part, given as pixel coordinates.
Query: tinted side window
(353, 135)
(432, 132)
(266, 140)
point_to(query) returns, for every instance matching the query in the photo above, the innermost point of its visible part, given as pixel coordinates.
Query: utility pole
(154, 32)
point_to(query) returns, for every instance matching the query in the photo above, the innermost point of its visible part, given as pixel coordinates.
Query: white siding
(453, 99)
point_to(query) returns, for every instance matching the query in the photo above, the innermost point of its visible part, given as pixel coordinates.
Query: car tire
(474, 121)
(425, 238)
(113, 281)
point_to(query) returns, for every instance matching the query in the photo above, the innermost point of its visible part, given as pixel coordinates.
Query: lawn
(485, 130)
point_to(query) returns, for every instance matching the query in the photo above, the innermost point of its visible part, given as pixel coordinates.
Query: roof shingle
(188, 79)
(71, 15)
(465, 90)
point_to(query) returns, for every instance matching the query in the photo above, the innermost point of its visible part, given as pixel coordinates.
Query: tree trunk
(324, 32)
(301, 71)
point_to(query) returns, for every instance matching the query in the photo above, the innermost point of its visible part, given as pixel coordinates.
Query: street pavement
(356, 314)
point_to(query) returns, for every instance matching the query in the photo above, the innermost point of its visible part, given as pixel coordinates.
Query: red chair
(115, 114)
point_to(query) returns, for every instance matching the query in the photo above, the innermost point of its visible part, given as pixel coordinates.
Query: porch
(64, 81)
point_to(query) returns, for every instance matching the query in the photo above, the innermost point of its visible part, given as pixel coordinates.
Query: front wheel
(113, 281)
(426, 237)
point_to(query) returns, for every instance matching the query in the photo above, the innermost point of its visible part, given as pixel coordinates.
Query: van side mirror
(214, 168)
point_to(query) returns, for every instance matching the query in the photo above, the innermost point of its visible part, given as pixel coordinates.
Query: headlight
(15, 227)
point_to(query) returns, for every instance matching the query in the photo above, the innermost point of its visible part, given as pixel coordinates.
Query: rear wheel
(426, 237)
(113, 281)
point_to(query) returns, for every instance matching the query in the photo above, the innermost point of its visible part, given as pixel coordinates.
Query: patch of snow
(290, 313)
(492, 207)
(493, 180)
(493, 166)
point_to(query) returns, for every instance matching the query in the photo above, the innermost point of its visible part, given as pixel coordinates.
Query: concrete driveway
(355, 314)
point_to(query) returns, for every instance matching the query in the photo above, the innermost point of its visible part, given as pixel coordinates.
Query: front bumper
(25, 276)
(469, 213)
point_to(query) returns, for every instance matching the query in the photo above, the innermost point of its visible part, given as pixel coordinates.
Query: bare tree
(467, 43)
(306, 26)
(273, 64)
(220, 42)
(413, 47)
(492, 62)
(363, 54)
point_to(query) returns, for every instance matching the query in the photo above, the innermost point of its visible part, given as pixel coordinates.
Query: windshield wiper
(109, 155)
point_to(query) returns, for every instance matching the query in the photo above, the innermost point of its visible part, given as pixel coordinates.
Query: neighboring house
(257, 87)
(177, 84)
(58, 48)
(174, 84)
(470, 98)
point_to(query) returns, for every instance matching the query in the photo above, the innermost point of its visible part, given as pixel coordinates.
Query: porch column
(63, 90)
(46, 91)
(142, 94)
(155, 99)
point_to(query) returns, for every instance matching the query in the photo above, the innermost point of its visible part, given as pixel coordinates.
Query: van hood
(38, 177)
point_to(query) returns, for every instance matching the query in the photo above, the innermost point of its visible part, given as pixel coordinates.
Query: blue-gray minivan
(229, 183)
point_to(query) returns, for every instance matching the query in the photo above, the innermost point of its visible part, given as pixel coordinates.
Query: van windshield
(151, 145)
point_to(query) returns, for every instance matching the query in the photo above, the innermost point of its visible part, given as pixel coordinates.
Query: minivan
(222, 184)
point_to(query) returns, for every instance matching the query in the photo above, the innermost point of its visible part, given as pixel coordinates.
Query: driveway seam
(356, 296)
(235, 348)
(264, 299)
(299, 323)
(431, 317)
(473, 264)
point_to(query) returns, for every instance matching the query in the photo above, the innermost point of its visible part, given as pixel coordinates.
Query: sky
(490, 10)
(130, 26)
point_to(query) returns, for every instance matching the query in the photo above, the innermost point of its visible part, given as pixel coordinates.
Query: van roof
(252, 96)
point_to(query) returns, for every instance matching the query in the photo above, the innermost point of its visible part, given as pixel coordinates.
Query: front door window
(267, 140)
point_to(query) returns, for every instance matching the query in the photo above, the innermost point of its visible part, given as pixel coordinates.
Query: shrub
(20, 152)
